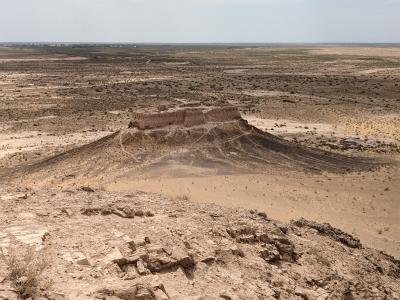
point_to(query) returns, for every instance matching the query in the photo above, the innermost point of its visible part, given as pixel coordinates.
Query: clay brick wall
(186, 117)
(223, 114)
(194, 117)
(156, 120)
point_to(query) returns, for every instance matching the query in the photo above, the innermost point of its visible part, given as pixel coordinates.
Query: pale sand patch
(76, 58)
(386, 126)
(359, 51)
(177, 63)
(36, 119)
(34, 140)
(236, 71)
(379, 70)
(285, 126)
(142, 79)
(275, 93)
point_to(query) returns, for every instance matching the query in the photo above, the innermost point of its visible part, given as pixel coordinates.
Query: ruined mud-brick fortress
(187, 117)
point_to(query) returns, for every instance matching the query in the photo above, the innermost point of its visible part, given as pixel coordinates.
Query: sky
(200, 21)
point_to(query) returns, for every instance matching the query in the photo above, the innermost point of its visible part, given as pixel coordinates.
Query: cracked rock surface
(105, 245)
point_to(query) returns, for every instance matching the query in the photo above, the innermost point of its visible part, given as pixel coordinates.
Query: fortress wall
(222, 114)
(150, 121)
(194, 117)
(187, 117)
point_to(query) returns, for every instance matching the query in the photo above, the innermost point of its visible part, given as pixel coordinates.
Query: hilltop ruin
(187, 117)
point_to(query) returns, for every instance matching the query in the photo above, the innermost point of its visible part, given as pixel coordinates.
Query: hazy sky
(200, 20)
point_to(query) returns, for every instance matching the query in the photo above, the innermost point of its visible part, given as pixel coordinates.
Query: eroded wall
(184, 117)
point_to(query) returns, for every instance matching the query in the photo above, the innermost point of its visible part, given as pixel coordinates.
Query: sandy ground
(11, 144)
(360, 51)
(366, 205)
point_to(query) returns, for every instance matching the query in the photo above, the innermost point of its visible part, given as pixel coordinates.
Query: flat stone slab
(77, 258)
(30, 234)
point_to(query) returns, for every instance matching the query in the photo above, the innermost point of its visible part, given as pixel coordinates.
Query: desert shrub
(319, 258)
(183, 198)
(25, 269)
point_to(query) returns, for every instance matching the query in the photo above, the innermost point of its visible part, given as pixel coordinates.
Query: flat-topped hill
(223, 143)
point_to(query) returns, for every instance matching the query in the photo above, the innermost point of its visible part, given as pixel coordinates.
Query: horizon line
(195, 43)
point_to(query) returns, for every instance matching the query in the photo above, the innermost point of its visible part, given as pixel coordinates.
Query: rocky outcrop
(328, 230)
(109, 247)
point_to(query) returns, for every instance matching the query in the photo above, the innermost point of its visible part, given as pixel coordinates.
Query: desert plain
(197, 212)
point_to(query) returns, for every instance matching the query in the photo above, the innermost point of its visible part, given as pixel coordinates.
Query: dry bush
(319, 258)
(25, 269)
(183, 198)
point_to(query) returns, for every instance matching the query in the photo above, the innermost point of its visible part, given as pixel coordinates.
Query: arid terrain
(237, 209)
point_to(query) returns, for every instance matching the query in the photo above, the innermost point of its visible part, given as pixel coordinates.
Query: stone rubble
(185, 252)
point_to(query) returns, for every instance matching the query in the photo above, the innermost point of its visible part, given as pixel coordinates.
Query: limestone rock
(306, 293)
(143, 288)
(8, 295)
(115, 256)
(158, 262)
(184, 259)
(139, 241)
(54, 296)
(78, 258)
(130, 272)
(30, 234)
(142, 270)
(270, 254)
(237, 251)
(144, 293)
(160, 295)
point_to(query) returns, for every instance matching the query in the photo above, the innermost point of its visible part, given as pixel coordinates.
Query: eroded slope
(215, 148)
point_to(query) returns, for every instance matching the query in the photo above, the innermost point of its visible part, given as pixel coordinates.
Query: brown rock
(306, 294)
(158, 262)
(184, 259)
(131, 272)
(149, 214)
(285, 248)
(68, 212)
(54, 296)
(160, 295)
(87, 189)
(237, 251)
(270, 254)
(124, 212)
(77, 258)
(142, 270)
(115, 257)
(8, 295)
(139, 241)
(144, 293)
(328, 230)
(139, 213)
